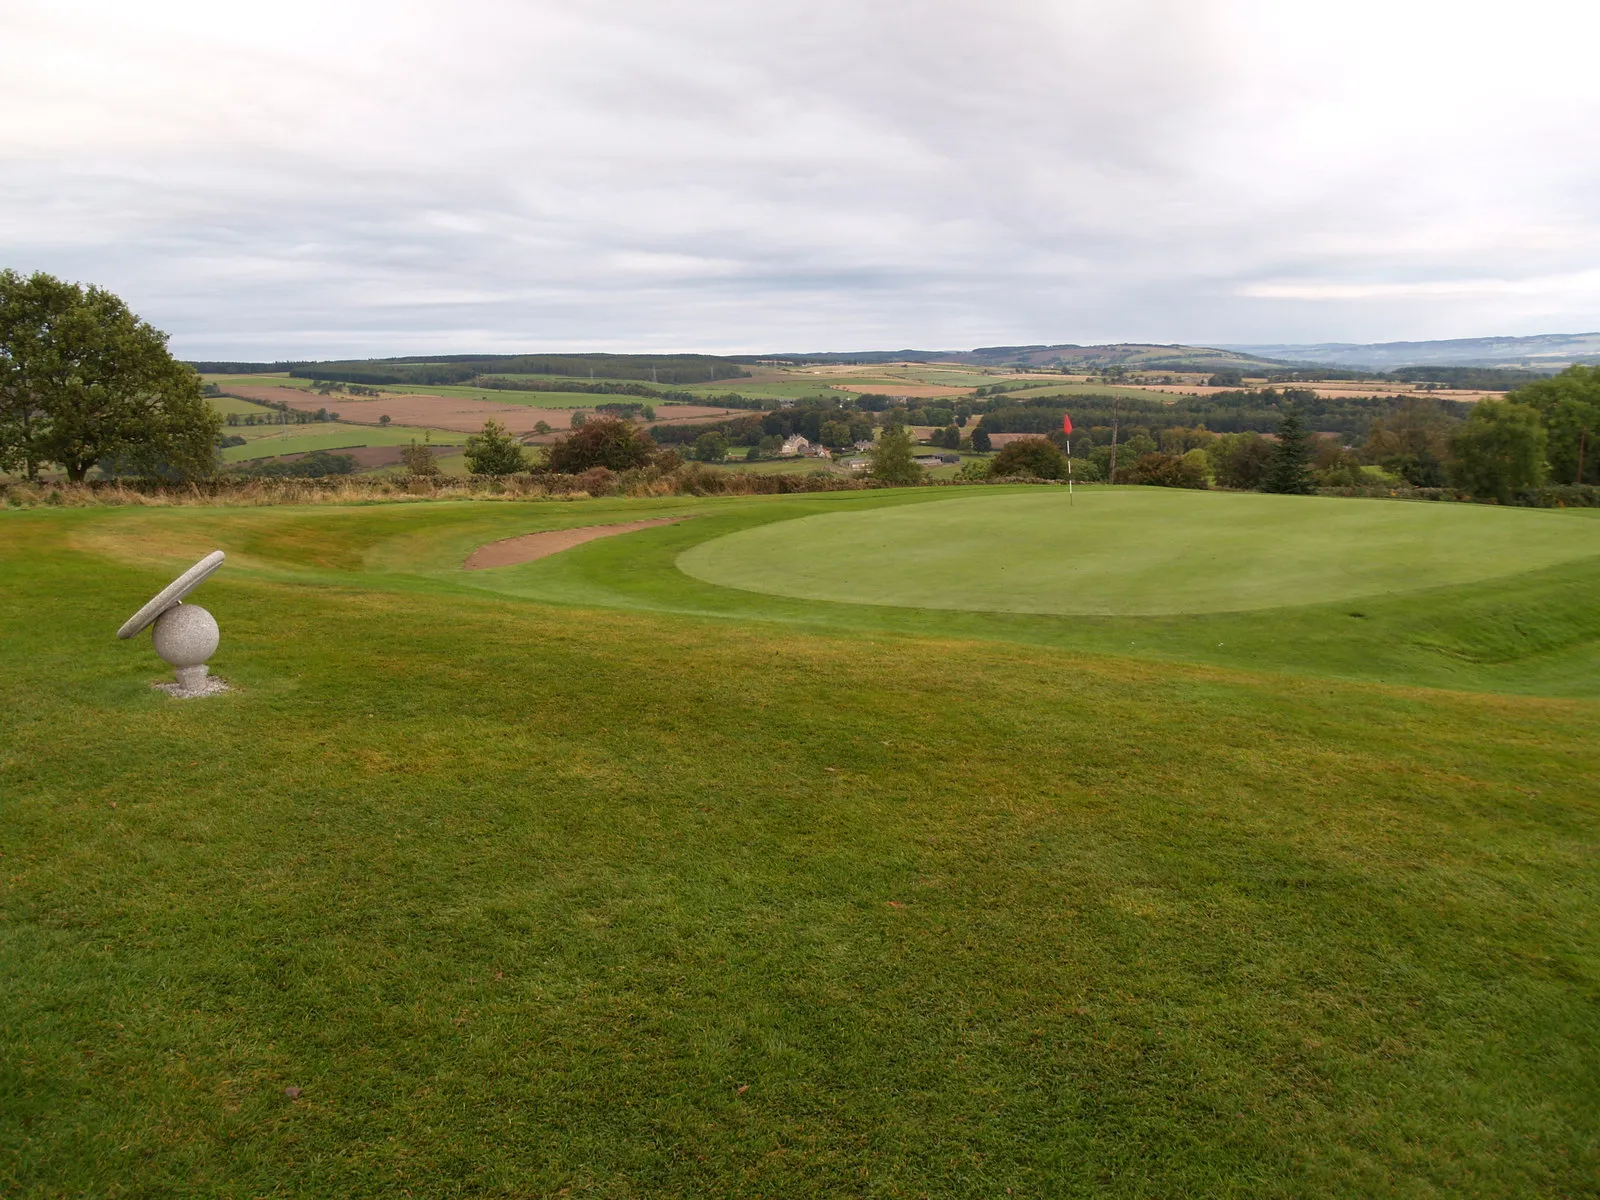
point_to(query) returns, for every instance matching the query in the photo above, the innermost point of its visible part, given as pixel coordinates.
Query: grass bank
(513, 892)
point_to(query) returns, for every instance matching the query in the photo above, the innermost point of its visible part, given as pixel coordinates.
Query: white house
(793, 446)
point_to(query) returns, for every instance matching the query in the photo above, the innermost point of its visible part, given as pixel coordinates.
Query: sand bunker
(541, 545)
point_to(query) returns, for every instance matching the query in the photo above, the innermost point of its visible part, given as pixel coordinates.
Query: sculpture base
(192, 682)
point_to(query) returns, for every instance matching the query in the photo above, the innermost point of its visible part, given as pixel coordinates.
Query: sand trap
(541, 545)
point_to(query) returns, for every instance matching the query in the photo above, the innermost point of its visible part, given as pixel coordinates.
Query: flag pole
(1066, 436)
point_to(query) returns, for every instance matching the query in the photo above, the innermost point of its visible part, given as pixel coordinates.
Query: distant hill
(439, 369)
(1135, 355)
(1548, 351)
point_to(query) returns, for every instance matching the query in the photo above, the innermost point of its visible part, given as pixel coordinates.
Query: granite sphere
(186, 635)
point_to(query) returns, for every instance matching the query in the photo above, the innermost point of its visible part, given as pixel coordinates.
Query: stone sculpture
(185, 635)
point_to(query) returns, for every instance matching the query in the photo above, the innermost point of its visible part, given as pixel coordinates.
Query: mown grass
(537, 897)
(1126, 551)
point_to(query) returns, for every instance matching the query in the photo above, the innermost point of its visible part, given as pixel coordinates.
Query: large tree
(1241, 460)
(1500, 449)
(1413, 441)
(892, 457)
(1569, 404)
(85, 381)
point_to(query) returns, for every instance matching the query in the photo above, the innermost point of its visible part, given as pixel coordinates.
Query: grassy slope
(533, 896)
(1537, 633)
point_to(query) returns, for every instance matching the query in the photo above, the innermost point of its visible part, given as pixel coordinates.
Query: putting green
(1136, 551)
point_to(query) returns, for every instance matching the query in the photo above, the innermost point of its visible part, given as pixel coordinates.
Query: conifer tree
(1291, 471)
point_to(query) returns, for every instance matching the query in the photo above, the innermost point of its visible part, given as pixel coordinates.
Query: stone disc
(172, 593)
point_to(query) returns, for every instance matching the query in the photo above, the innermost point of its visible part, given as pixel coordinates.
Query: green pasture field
(586, 877)
(262, 380)
(1094, 389)
(268, 441)
(233, 406)
(526, 399)
(797, 388)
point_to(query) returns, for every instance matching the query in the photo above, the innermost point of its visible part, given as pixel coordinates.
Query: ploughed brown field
(452, 413)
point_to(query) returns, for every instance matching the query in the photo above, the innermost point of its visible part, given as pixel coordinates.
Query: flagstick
(1069, 472)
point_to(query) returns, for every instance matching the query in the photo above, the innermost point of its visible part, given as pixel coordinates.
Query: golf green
(1136, 551)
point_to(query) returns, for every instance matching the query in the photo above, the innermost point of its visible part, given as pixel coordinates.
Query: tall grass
(692, 479)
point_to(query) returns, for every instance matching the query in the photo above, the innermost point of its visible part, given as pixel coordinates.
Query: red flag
(1066, 424)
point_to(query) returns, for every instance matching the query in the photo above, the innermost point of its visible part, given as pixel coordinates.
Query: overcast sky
(330, 177)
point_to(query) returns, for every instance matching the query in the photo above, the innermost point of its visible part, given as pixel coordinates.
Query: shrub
(1168, 470)
(418, 459)
(495, 452)
(1086, 470)
(598, 481)
(601, 442)
(973, 468)
(1038, 457)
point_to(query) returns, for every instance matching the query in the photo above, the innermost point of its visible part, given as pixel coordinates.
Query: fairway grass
(586, 877)
(1137, 551)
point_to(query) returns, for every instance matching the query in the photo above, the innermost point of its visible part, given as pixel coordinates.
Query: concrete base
(192, 683)
(192, 679)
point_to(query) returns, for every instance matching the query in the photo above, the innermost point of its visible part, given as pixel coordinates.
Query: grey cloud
(732, 176)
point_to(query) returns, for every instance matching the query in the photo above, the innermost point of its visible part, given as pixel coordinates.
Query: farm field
(233, 406)
(267, 441)
(587, 876)
(454, 415)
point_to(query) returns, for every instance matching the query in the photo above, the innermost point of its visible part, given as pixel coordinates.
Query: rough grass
(532, 898)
